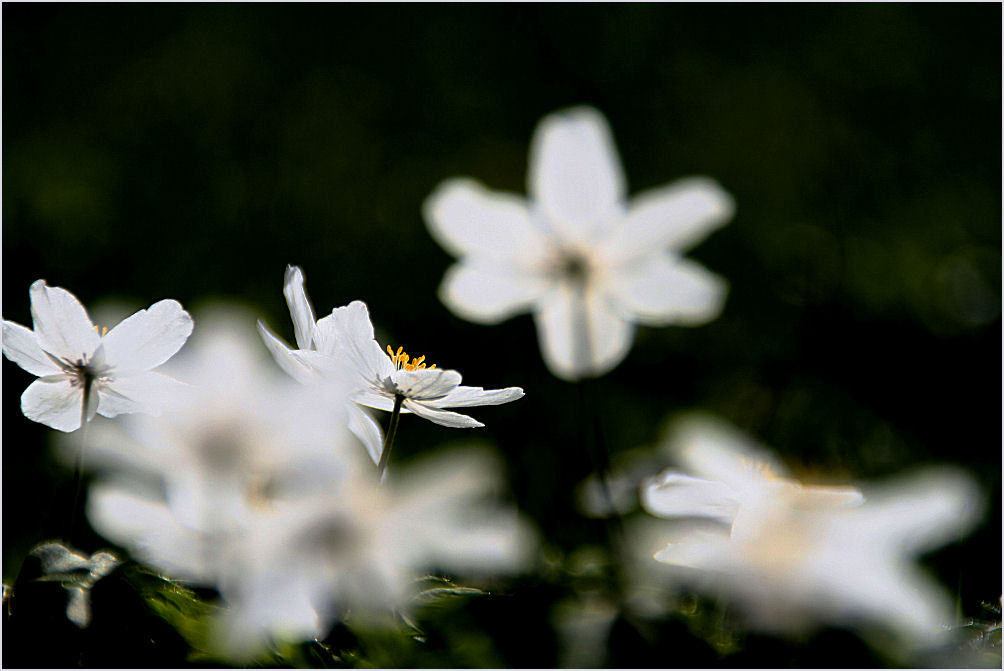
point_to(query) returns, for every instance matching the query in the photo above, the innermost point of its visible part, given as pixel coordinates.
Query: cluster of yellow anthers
(400, 359)
(102, 331)
(764, 469)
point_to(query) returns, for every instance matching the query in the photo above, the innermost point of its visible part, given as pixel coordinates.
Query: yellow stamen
(102, 331)
(401, 360)
(760, 467)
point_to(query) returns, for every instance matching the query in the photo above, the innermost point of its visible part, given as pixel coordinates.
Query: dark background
(192, 151)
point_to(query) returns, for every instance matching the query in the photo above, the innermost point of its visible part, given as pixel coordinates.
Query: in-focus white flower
(364, 548)
(314, 360)
(387, 377)
(70, 357)
(587, 263)
(792, 556)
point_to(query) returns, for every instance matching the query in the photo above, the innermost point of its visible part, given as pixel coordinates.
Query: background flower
(790, 566)
(588, 263)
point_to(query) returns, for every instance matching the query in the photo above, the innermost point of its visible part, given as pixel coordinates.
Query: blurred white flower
(588, 264)
(363, 549)
(387, 378)
(312, 362)
(181, 490)
(74, 362)
(733, 478)
(258, 488)
(792, 556)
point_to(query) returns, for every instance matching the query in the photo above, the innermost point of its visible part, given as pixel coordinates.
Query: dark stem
(597, 447)
(78, 466)
(388, 441)
(600, 456)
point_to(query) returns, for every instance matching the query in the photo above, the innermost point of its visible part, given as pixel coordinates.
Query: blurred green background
(192, 151)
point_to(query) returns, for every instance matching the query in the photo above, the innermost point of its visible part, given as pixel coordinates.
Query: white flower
(364, 547)
(588, 264)
(386, 378)
(70, 357)
(182, 490)
(315, 359)
(734, 478)
(791, 556)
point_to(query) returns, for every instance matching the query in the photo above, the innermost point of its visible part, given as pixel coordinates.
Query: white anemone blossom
(311, 363)
(364, 548)
(112, 371)
(589, 264)
(729, 477)
(791, 556)
(389, 379)
(182, 491)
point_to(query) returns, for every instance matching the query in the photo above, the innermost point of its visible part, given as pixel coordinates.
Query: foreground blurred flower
(363, 548)
(792, 556)
(585, 262)
(259, 489)
(390, 381)
(75, 363)
(313, 361)
(181, 490)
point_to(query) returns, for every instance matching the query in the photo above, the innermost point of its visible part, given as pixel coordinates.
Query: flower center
(402, 361)
(574, 268)
(101, 331)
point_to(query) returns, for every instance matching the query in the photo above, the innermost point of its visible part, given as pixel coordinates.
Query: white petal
(372, 399)
(713, 449)
(425, 384)
(299, 307)
(53, 401)
(367, 431)
(907, 601)
(488, 293)
(286, 358)
(580, 336)
(660, 290)
(148, 338)
(442, 417)
(326, 334)
(462, 397)
(700, 550)
(924, 510)
(353, 332)
(149, 392)
(677, 495)
(149, 530)
(61, 322)
(575, 175)
(468, 219)
(813, 497)
(21, 346)
(675, 217)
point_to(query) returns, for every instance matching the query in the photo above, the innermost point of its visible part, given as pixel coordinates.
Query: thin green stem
(388, 441)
